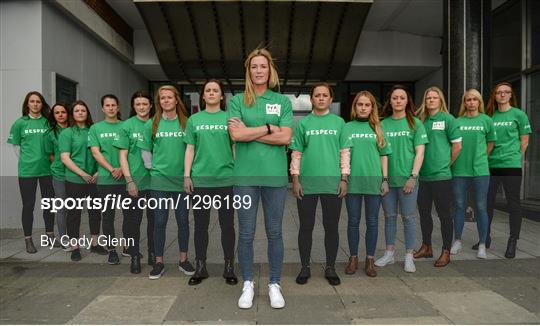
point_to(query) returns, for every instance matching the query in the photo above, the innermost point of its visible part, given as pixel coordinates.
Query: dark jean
(161, 215)
(354, 210)
(510, 178)
(273, 202)
(395, 198)
(28, 187)
(461, 186)
(440, 193)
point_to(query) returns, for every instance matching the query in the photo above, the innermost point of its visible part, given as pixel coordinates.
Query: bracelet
(268, 127)
(385, 179)
(130, 182)
(413, 176)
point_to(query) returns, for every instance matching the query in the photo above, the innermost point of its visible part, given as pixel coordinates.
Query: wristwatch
(385, 179)
(268, 127)
(413, 176)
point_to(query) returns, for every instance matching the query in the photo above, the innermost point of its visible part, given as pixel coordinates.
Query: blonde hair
(422, 112)
(477, 95)
(273, 79)
(374, 121)
(180, 109)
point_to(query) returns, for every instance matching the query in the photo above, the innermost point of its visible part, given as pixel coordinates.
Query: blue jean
(407, 207)
(273, 201)
(354, 210)
(161, 215)
(461, 186)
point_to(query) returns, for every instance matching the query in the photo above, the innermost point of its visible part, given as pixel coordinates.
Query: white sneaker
(481, 251)
(386, 259)
(456, 247)
(409, 263)
(248, 292)
(276, 299)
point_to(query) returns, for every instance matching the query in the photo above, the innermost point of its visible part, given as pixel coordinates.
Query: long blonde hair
(374, 121)
(422, 113)
(475, 93)
(180, 109)
(273, 78)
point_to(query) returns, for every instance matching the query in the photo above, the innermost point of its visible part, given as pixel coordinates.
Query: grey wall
(38, 40)
(432, 79)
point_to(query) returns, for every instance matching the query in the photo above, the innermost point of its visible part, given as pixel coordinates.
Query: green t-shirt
(476, 132)
(51, 147)
(442, 132)
(28, 134)
(366, 169)
(168, 150)
(256, 163)
(320, 138)
(102, 135)
(510, 126)
(403, 141)
(74, 141)
(213, 162)
(130, 135)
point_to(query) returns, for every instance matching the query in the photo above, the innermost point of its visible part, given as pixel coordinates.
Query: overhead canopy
(198, 40)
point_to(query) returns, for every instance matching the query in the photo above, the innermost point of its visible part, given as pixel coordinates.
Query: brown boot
(444, 259)
(425, 251)
(369, 267)
(353, 265)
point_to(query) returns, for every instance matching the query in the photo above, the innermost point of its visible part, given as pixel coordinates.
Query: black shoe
(125, 252)
(135, 267)
(157, 271)
(488, 244)
(151, 258)
(30, 248)
(97, 249)
(200, 273)
(511, 248)
(228, 272)
(331, 275)
(304, 275)
(186, 267)
(113, 258)
(54, 242)
(76, 255)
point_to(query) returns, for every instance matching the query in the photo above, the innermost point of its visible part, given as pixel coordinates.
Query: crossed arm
(240, 133)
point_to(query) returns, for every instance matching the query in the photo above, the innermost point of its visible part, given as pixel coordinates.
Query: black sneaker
(76, 255)
(186, 267)
(304, 275)
(113, 258)
(331, 275)
(97, 249)
(157, 271)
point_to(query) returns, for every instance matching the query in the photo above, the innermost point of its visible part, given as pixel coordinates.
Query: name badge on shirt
(438, 125)
(273, 109)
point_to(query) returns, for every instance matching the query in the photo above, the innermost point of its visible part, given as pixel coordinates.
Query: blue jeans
(407, 207)
(273, 201)
(481, 186)
(161, 215)
(354, 210)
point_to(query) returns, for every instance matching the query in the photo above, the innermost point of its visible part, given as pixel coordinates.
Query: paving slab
(431, 320)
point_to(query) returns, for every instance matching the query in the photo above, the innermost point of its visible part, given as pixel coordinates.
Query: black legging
(27, 186)
(226, 222)
(132, 224)
(331, 209)
(511, 182)
(81, 190)
(439, 192)
(109, 212)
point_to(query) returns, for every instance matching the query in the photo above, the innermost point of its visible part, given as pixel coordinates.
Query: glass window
(66, 90)
(532, 159)
(534, 13)
(506, 46)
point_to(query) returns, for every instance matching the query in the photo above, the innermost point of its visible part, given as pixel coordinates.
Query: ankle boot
(151, 258)
(135, 267)
(353, 265)
(369, 267)
(444, 259)
(425, 251)
(30, 248)
(228, 272)
(511, 248)
(200, 272)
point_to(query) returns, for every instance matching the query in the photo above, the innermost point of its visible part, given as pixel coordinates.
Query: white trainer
(276, 299)
(386, 259)
(248, 292)
(456, 247)
(481, 251)
(409, 263)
